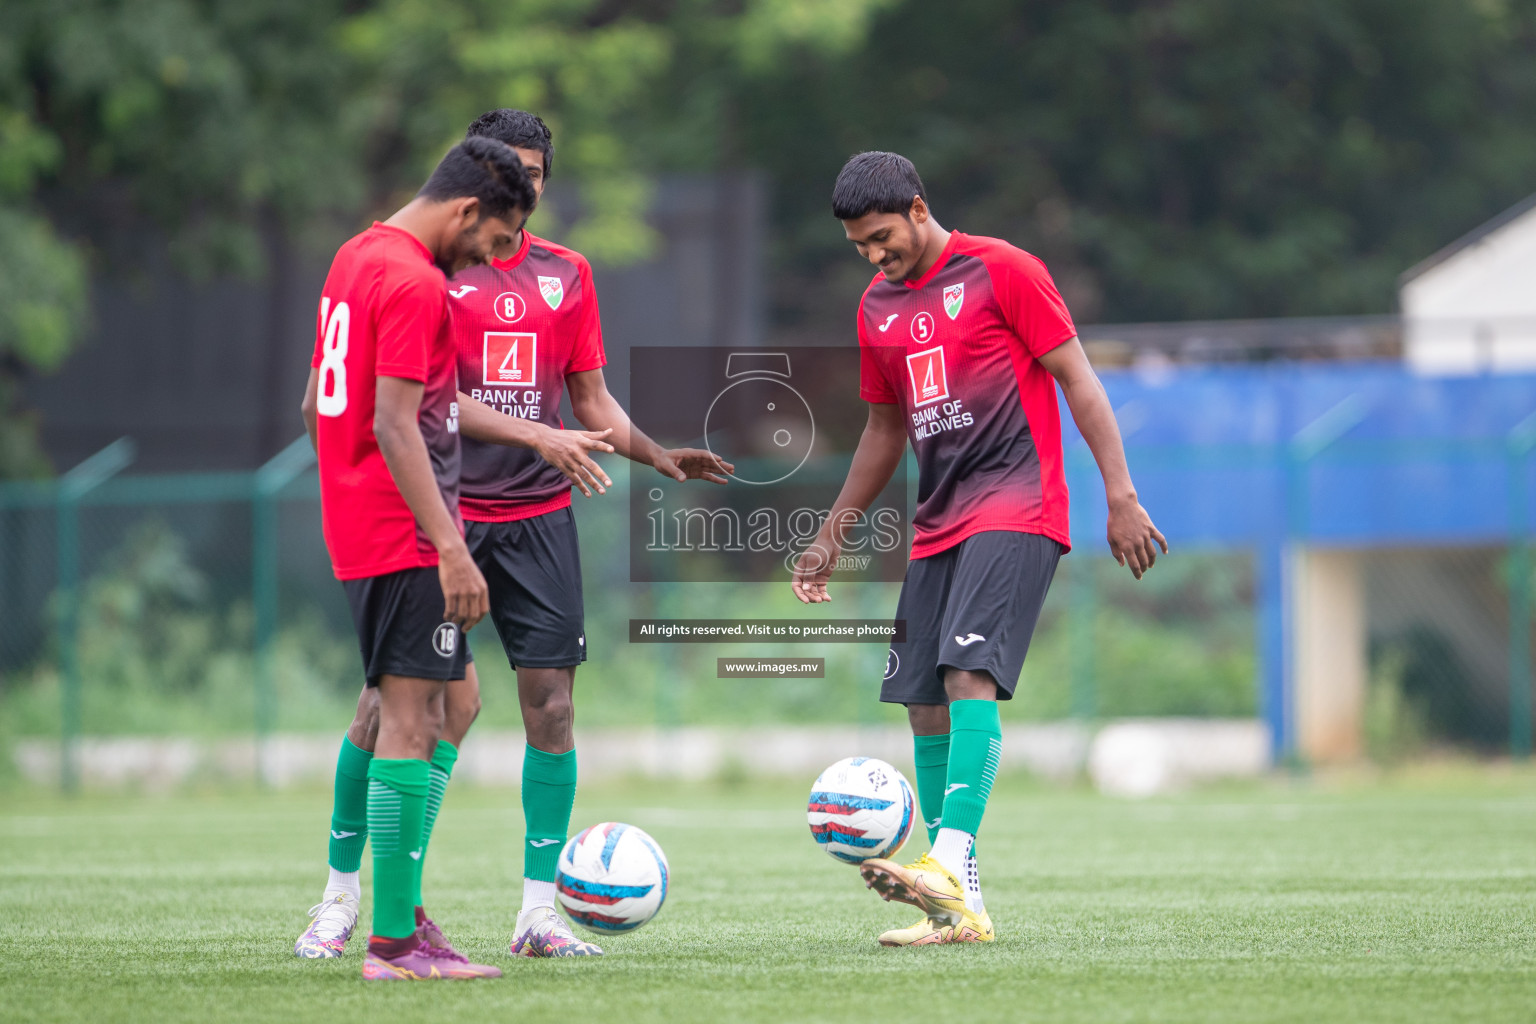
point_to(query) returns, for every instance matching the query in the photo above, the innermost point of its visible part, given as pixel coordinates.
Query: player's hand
(692, 464)
(465, 596)
(1133, 540)
(568, 451)
(813, 569)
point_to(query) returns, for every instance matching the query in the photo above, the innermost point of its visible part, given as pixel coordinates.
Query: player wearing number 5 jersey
(525, 329)
(381, 408)
(963, 342)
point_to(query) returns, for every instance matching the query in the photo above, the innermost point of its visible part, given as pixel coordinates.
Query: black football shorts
(971, 607)
(533, 568)
(400, 627)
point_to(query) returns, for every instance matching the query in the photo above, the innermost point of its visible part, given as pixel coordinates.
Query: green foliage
(1188, 159)
(160, 650)
(157, 656)
(209, 123)
(218, 127)
(1178, 642)
(42, 306)
(1396, 726)
(435, 66)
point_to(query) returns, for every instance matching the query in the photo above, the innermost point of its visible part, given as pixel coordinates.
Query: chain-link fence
(204, 605)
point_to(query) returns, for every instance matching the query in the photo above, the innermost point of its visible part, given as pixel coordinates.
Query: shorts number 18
(332, 397)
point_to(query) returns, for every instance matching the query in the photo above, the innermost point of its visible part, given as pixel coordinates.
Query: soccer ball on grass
(860, 808)
(611, 878)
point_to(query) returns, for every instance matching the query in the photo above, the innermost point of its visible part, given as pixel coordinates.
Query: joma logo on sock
(542, 842)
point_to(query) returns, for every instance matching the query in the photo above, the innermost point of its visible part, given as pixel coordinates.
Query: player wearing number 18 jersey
(963, 341)
(381, 408)
(384, 313)
(525, 330)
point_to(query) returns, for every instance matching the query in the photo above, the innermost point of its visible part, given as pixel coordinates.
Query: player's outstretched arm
(597, 409)
(566, 450)
(880, 449)
(1133, 539)
(397, 403)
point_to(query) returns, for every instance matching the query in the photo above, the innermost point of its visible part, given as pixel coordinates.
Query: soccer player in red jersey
(526, 328)
(963, 342)
(381, 409)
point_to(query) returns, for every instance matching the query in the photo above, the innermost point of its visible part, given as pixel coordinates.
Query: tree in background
(1182, 159)
(1177, 159)
(150, 129)
(42, 279)
(598, 71)
(221, 133)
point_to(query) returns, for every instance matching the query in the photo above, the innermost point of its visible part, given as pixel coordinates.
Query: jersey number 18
(332, 397)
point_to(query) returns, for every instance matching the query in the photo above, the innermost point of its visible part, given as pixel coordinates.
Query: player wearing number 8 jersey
(381, 408)
(525, 330)
(963, 340)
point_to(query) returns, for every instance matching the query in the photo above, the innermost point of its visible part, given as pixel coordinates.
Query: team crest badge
(553, 291)
(954, 298)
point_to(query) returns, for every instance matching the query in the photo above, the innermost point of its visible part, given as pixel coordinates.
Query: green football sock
(349, 807)
(549, 792)
(975, 743)
(397, 802)
(931, 756)
(439, 771)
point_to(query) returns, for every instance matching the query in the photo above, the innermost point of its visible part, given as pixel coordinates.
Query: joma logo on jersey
(926, 371)
(511, 358)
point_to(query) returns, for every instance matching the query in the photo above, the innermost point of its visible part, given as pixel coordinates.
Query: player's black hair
(516, 128)
(875, 182)
(487, 170)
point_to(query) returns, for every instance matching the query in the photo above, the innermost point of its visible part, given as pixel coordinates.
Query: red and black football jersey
(383, 313)
(956, 350)
(521, 325)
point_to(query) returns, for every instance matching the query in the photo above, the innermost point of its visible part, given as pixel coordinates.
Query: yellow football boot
(917, 934)
(931, 932)
(972, 928)
(925, 883)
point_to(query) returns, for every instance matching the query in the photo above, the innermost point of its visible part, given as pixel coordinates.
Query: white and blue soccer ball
(611, 878)
(860, 808)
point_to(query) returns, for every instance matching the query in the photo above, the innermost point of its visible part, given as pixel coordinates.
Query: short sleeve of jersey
(874, 385)
(1031, 304)
(587, 346)
(410, 315)
(319, 354)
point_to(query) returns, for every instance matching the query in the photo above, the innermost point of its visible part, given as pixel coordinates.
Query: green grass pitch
(1402, 901)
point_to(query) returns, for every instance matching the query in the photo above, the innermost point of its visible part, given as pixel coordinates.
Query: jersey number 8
(332, 397)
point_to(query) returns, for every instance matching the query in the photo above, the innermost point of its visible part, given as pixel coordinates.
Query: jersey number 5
(332, 397)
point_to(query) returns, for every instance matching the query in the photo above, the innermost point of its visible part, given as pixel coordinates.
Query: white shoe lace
(334, 917)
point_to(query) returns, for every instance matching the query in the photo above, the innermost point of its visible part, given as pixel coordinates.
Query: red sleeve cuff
(415, 373)
(1067, 334)
(583, 365)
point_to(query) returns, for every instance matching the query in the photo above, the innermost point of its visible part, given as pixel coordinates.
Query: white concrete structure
(1161, 754)
(1329, 651)
(1471, 307)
